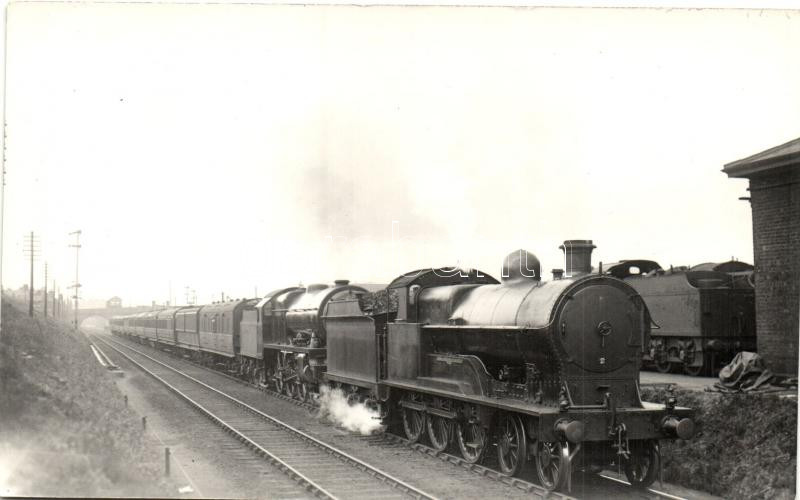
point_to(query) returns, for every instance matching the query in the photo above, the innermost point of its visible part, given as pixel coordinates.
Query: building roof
(785, 155)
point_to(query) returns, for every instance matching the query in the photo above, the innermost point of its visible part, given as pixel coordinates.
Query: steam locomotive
(705, 313)
(520, 369)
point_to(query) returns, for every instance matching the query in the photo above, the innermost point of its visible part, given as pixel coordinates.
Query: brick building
(774, 177)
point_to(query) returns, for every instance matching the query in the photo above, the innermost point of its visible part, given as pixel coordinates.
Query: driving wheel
(511, 444)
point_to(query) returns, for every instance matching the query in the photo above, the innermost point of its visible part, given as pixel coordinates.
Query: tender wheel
(440, 429)
(663, 365)
(280, 385)
(295, 389)
(511, 445)
(351, 392)
(552, 460)
(471, 439)
(413, 421)
(641, 467)
(694, 371)
(304, 392)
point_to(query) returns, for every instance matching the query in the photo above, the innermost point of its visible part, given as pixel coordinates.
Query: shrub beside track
(65, 428)
(745, 445)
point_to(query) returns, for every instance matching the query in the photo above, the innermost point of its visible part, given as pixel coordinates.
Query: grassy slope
(64, 426)
(745, 445)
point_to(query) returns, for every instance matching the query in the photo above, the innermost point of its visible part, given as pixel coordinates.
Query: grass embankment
(64, 427)
(744, 447)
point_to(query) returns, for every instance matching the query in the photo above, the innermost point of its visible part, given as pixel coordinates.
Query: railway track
(325, 471)
(101, 357)
(616, 487)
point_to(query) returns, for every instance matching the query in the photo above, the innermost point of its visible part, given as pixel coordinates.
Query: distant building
(774, 177)
(114, 303)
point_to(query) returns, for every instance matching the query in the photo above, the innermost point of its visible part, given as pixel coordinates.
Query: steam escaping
(355, 417)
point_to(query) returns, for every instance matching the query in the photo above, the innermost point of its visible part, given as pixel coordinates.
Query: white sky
(226, 147)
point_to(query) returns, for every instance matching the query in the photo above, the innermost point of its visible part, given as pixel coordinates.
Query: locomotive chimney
(578, 257)
(558, 274)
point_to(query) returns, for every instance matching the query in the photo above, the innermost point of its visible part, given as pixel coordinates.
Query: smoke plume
(354, 417)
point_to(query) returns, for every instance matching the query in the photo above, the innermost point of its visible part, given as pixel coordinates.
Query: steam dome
(521, 265)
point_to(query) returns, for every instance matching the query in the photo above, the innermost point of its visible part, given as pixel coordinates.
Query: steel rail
(296, 475)
(102, 358)
(651, 490)
(369, 469)
(479, 469)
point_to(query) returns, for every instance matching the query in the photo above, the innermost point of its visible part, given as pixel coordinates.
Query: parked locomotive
(705, 314)
(542, 372)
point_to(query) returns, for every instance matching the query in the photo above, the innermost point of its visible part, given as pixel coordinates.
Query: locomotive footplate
(652, 421)
(314, 352)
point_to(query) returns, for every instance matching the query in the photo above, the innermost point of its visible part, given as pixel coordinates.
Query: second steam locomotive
(705, 313)
(520, 369)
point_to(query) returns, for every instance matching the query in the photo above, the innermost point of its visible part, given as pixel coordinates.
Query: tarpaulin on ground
(747, 373)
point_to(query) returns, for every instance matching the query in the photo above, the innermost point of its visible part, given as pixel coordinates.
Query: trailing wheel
(642, 466)
(440, 429)
(552, 460)
(472, 440)
(511, 444)
(413, 420)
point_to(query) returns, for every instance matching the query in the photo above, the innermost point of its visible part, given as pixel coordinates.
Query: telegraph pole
(55, 292)
(45, 290)
(32, 249)
(77, 285)
(3, 198)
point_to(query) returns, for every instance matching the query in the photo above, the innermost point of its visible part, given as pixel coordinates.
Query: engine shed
(774, 177)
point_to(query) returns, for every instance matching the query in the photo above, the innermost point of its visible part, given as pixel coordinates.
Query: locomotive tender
(706, 313)
(523, 369)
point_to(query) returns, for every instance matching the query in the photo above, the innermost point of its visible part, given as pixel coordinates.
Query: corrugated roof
(785, 155)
